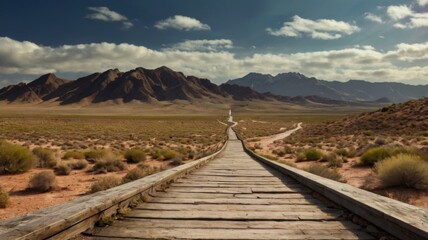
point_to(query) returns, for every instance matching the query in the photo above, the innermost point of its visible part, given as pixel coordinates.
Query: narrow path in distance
(267, 140)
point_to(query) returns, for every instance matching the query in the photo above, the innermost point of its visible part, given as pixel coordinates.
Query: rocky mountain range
(296, 84)
(143, 85)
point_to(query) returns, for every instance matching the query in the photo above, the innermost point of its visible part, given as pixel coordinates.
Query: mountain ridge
(139, 84)
(294, 84)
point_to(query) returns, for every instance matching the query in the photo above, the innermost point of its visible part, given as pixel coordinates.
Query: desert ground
(101, 145)
(340, 154)
(96, 147)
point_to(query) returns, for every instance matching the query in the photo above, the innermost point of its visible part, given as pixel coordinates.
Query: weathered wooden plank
(231, 185)
(233, 215)
(233, 207)
(202, 224)
(150, 233)
(242, 201)
(231, 195)
(210, 190)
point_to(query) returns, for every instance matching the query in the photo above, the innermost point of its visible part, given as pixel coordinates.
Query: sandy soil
(361, 177)
(69, 187)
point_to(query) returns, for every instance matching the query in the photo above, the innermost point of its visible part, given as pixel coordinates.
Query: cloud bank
(406, 62)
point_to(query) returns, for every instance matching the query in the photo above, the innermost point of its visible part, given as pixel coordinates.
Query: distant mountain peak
(294, 84)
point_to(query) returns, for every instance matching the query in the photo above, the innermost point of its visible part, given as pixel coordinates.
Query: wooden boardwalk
(233, 197)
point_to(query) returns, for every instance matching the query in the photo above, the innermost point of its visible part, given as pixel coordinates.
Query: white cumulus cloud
(325, 29)
(372, 17)
(407, 18)
(399, 12)
(107, 15)
(182, 23)
(203, 45)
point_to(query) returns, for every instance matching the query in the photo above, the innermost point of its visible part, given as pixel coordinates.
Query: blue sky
(375, 40)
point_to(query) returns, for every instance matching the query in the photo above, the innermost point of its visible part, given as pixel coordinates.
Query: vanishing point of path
(233, 197)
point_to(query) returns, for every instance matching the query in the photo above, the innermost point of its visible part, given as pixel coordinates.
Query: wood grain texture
(233, 197)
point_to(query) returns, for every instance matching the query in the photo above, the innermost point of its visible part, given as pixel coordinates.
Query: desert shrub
(14, 158)
(373, 155)
(42, 181)
(342, 152)
(403, 170)
(134, 174)
(163, 154)
(45, 158)
(105, 183)
(335, 161)
(177, 160)
(279, 153)
(4, 198)
(323, 171)
(380, 141)
(135, 155)
(97, 154)
(403, 150)
(312, 154)
(108, 165)
(288, 150)
(73, 155)
(78, 164)
(62, 169)
(300, 157)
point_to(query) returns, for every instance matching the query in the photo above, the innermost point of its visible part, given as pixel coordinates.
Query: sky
(373, 40)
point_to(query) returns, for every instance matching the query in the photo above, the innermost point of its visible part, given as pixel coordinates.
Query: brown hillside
(408, 117)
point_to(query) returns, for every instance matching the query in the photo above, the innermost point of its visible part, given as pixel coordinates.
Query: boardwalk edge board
(401, 220)
(68, 219)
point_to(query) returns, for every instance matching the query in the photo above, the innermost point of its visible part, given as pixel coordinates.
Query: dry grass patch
(14, 158)
(105, 183)
(323, 171)
(43, 181)
(403, 170)
(4, 198)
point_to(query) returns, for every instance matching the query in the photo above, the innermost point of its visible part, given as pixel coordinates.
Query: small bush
(163, 154)
(323, 171)
(300, 157)
(135, 155)
(104, 166)
(177, 160)
(373, 155)
(403, 170)
(45, 158)
(62, 169)
(73, 155)
(94, 155)
(105, 183)
(312, 154)
(342, 152)
(380, 141)
(42, 181)
(134, 174)
(4, 198)
(78, 164)
(14, 158)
